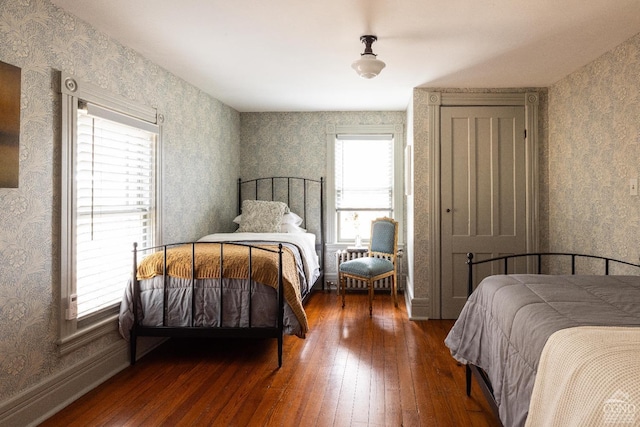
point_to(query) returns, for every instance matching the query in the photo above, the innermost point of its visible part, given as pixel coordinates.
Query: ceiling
(296, 55)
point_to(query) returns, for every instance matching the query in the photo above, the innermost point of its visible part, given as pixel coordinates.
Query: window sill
(86, 335)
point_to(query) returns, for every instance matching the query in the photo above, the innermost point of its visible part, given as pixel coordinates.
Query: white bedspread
(505, 324)
(588, 376)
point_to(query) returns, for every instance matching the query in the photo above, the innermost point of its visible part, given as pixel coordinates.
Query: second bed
(504, 326)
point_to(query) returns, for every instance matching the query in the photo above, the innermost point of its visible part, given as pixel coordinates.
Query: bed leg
(280, 351)
(468, 379)
(132, 346)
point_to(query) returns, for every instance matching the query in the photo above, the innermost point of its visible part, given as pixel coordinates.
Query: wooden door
(483, 192)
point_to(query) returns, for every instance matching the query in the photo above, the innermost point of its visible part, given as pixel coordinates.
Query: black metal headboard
(537, 256)
(304, 196)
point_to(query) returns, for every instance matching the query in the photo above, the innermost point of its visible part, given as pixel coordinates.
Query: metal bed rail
(538, 256)
(206, 331)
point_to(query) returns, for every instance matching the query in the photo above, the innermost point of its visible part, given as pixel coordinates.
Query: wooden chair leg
(370, 298)
(394, 289)
(342, 289)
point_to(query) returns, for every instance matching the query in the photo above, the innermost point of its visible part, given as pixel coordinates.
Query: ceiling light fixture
(368, 66)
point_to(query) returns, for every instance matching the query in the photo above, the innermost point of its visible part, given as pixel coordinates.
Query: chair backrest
(384, 237)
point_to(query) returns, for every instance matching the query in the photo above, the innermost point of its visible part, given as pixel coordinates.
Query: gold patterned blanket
(264, 268)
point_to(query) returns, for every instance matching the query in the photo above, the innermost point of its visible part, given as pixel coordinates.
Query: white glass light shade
(368, 66)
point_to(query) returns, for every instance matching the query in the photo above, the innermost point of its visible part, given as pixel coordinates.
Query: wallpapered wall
(200, 160)
(594, 150)
(295, 143)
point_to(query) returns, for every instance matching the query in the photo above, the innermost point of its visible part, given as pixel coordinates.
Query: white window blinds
(115, 157)
(364, 182)
(364, 172)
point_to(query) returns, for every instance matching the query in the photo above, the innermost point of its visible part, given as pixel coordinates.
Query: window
(364, 179)
(114, 205)
(363, 183)
(110, 187)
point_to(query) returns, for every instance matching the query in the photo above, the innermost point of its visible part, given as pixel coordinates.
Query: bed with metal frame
(468, 340)
(303, 194)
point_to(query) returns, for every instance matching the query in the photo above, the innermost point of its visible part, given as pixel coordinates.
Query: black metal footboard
(192, 330)
(534, 263)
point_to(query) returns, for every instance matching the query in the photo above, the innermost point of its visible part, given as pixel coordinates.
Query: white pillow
(291, 228)
(291, 218)
(260, 216)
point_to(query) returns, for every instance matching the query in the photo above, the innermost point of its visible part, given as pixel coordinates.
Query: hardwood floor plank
(362, 395)
(350, 370)
(209, 400)
(393, 413)
(377, 401)
(403, 351)
(351, 343)
(300, 387)
(327, 353)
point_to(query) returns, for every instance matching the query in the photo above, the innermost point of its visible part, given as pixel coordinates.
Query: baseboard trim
(417, 308)
(36, 404)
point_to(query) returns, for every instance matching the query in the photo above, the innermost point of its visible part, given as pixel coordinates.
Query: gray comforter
(237, 311)
(506, 322)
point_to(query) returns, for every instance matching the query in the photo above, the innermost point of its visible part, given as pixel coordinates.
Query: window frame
(372, 211)
(75, 333)
(396, 132)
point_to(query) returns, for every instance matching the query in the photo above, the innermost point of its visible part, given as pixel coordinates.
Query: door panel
(483, 193)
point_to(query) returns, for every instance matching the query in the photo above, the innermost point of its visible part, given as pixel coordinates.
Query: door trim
(436, 100)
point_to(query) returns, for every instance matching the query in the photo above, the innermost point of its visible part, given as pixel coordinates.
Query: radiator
(347, 255)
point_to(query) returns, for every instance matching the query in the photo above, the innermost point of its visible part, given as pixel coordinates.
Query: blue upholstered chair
(379, 263)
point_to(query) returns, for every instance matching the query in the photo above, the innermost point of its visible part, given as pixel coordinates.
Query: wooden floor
(351, 370)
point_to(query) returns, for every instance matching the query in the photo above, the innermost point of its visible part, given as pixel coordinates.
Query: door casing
(435, 100)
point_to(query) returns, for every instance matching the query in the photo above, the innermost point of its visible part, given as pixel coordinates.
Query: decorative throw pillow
(287, 218)
(259, 216)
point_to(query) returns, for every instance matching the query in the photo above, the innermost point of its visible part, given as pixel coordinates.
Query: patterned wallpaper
(295, 144)
(200, 160)
(594, 151)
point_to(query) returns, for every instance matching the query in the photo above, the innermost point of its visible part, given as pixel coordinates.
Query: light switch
(633, 186)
